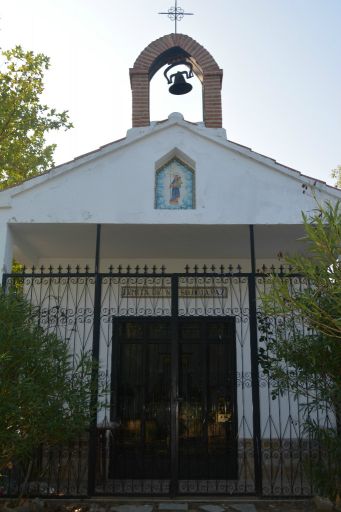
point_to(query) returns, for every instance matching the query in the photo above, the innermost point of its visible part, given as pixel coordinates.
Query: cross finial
(176, 14)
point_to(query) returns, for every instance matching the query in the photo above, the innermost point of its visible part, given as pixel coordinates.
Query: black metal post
(94, 377)
(174, 389)
(4, 279)
(257, 442)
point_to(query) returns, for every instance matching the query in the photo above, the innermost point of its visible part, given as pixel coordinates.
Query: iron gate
(154, 379)
(209, 425)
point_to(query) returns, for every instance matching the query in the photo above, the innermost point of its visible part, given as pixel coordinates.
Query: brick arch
(166, 50)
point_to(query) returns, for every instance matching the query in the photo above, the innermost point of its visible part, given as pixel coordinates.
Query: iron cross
(176, 14)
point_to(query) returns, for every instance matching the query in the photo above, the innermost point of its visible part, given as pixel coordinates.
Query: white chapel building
(152, 252)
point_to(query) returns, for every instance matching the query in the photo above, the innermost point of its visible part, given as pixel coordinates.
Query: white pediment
(116, 184)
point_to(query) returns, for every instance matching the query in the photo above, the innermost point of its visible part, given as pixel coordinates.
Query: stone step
(176, 507)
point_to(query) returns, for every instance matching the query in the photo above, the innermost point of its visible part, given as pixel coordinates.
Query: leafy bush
(301, 338)
(45, 391)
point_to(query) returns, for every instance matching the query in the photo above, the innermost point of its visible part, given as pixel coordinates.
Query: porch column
(6, 250)
(257, 438)
(92, 454)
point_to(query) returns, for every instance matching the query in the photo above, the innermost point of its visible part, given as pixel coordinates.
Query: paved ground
(213, 506)
(231, 505)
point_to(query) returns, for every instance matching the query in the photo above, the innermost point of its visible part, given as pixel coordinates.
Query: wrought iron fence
(270, 453)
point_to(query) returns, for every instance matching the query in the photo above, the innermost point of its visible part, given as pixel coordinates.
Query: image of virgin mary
(175, 189)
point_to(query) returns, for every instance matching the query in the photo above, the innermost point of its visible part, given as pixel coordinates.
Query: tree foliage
(45, 391)
(336, 174)
(24, 120)
(301, 337)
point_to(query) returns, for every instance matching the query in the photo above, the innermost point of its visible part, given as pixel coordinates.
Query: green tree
(24, 120)
(45, 391)
(336, 174)
(307, 361)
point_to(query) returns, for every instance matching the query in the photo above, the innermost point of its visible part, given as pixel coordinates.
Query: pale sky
(281, 60)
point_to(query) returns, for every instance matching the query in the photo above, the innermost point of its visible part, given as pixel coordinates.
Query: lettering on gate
(155, 292)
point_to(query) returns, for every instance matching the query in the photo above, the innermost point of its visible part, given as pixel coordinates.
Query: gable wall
(119, 188)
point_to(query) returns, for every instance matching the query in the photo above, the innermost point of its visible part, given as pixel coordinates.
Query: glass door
(203, 444)
(207, 412)
(141, 399)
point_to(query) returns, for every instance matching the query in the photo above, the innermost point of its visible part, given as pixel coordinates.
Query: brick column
(212, 100)
(139, 81)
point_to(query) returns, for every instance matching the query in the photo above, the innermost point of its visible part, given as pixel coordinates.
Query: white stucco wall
(116, 185)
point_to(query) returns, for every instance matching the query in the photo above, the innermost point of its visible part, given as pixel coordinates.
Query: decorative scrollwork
(65, 304)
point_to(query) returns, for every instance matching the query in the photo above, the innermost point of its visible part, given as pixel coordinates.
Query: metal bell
(180, 85)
